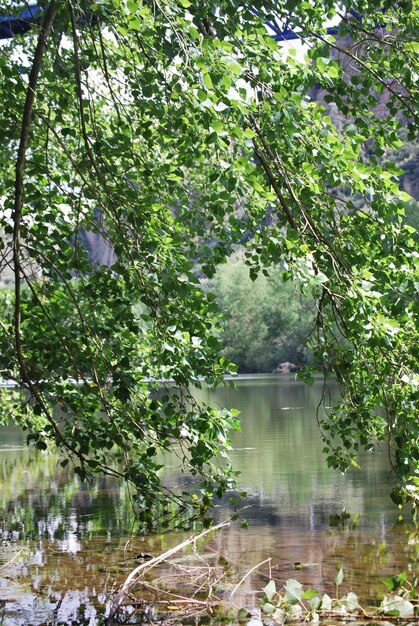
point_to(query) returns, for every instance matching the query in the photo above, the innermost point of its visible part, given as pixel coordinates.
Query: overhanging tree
(171, 129)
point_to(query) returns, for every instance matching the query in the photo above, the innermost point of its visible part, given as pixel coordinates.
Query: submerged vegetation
(297, 604)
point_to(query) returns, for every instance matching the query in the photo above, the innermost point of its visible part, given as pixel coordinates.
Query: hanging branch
(17, 217)
(18, 206)
(20, 167)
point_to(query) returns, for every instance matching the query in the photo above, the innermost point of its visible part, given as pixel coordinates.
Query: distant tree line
(266, 321)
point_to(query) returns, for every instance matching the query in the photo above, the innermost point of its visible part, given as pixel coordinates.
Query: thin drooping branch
(18, 206)
(20, 166)
(17, 219)
(403, 99)
(319, 237)
(274, 184)
(77, 77)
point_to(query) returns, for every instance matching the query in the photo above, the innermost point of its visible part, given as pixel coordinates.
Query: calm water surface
(64, 544)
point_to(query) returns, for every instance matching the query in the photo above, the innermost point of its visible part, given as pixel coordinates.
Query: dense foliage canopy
(177, 129)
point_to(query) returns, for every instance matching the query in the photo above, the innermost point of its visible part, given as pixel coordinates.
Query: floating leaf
(396, 605)
(296, 611)
(309, 594)
(315, 603)
(350, 601)
(268, 608)
(279, 616)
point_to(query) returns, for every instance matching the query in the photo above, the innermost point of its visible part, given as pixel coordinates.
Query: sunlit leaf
(270, 590)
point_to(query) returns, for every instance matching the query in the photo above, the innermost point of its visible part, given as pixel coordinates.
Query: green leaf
(322, 63)
(395, 582)
(293, 590)
(309, 594)
(206, 79)
(249, 133)
(217, 126)
(397, 497)
(339, 577)
(132, 6)
(269, 590)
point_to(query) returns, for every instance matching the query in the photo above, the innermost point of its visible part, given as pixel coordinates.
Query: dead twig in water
(11, 560)
(248, 574)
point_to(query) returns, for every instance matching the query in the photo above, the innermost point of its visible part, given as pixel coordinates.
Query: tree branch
(18, 205)
(20, 166)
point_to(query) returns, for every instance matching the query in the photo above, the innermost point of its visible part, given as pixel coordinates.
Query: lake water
(65, 544)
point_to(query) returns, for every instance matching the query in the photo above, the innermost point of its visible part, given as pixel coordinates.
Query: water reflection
(68, 542)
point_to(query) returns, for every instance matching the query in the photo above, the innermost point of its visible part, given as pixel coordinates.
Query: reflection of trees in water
(292, 494)
(70, 607)
(40, 499)
(280, 452)
(368, 557)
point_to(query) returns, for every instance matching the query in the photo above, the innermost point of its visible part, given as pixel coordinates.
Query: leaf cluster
(297, 604)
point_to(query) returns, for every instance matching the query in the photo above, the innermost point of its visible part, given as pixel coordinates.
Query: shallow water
(69, 542)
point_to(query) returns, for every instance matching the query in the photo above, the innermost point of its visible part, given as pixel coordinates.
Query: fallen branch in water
(137, 575)
(248, 574)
